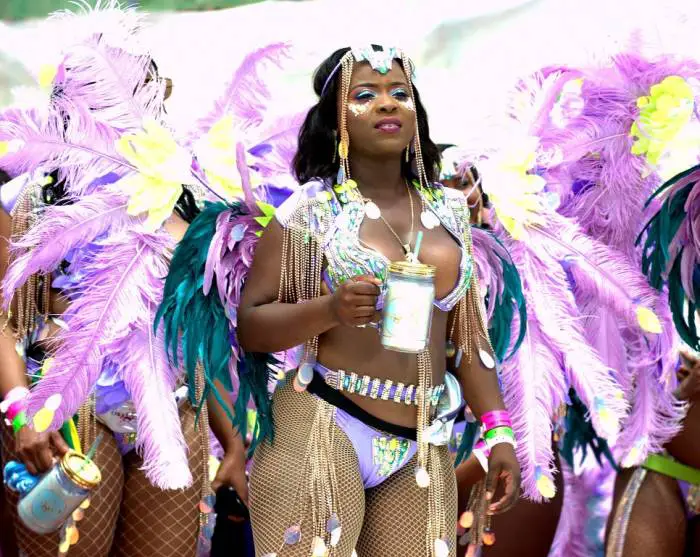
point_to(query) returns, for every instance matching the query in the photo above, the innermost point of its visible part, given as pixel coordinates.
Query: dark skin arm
(267, 326)
(37, 451)
(231, 472)
(685, 446)
(482, 391)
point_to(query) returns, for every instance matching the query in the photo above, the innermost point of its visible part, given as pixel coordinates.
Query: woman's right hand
(38, 451)
(354, 303)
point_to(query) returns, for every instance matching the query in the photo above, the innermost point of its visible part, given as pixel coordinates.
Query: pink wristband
(15, 408)
(496, 418)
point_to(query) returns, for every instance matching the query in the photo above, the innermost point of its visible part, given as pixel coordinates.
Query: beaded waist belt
(382, 389)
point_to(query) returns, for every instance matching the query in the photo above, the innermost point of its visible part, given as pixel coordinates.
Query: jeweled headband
(381, 61)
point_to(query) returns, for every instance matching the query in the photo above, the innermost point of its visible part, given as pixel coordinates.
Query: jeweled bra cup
(346, 256)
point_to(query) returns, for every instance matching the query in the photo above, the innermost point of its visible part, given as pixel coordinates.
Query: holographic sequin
(292, 535)
(389, 454)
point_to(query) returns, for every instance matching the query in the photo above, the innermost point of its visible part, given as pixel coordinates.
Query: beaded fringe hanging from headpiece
(33, 298)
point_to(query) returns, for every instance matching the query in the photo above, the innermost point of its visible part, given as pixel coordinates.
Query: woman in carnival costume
(348, 471)
(101, 91)
(556, 196)
(657, 503)
(611, 133)
(127, 206)
(529, 528)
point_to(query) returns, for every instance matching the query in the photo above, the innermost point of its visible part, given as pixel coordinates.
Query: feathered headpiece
(594, 325)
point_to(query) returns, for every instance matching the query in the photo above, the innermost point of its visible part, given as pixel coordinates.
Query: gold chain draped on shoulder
(33, 298)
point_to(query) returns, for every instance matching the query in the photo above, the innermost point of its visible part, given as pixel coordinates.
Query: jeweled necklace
(373, 212)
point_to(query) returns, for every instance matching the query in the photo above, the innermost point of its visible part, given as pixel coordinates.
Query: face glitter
(408, 104)
(358, 109)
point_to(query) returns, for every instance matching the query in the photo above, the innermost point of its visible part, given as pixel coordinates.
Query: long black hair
(315, 157)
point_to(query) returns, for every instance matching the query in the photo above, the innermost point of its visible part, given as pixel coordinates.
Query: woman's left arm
(232, 469)
(482, 392)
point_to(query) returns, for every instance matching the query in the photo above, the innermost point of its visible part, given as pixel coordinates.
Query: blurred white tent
(468, 53)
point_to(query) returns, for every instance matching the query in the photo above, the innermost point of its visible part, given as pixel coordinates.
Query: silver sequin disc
(486, 359)
(429, 220)
(372, 211)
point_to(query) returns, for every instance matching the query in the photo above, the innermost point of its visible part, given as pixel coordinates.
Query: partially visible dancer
(657, 504)
(465, 178)
(8, 545)
(557, 208)
(82, 287)
(606, 138)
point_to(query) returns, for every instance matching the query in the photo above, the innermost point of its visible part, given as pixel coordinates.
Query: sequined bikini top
(335, 218)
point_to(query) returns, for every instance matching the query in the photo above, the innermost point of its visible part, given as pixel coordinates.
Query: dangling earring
(335, 146)
(343, 149)
(408, 154)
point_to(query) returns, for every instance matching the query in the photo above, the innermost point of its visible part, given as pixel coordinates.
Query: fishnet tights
(127, 515)
(387, 520)
(157, 523)
(97, 528)
(396, 513)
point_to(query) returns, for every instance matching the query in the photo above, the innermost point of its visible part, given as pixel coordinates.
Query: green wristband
(19, 421)
(500, 430)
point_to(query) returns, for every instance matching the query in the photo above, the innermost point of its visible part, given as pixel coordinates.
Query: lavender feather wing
(147, 374)
(561, 322)
(110, 320)
(61, 229)
(116, 85)
(247, 94)
(100, 313)
(82, 149)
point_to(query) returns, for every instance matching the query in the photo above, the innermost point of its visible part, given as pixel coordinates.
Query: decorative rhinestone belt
(382, 389)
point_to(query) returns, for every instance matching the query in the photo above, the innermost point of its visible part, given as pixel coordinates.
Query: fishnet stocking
(396, 513)
(157, 523)
(276, 478)
(97, 528)
(390, 519)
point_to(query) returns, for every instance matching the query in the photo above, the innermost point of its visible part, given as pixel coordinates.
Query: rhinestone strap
(383, 389)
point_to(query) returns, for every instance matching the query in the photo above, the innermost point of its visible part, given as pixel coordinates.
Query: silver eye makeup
(361, 101)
